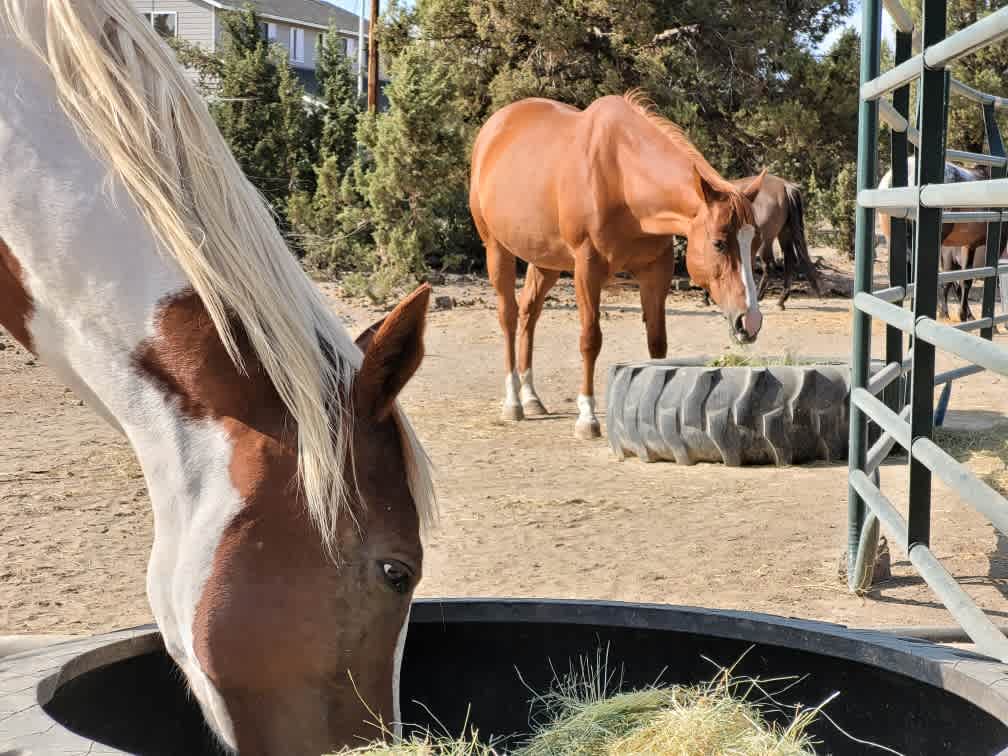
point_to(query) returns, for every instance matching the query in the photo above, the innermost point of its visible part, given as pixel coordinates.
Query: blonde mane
(124, 91)
(645, 107)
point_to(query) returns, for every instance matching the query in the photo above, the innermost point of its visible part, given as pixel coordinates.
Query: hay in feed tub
(583, 719)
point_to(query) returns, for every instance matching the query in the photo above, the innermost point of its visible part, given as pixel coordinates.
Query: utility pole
(372, 86)
(360, 50)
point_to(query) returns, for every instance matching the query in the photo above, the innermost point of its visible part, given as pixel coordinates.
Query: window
(165, 24)
(297, 45)
(268, 31)
(351, 49)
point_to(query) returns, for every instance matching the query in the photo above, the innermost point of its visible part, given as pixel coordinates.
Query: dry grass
(728, 715)
(426, 745)
(739, 359)
(986, 452)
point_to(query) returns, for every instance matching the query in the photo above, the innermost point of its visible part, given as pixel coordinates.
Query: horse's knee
(591, 340)
(507, 313)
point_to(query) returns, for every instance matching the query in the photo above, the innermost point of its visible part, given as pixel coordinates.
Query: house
(297, 25)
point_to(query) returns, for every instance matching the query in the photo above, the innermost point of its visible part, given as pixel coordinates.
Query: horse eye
(397, 576)
(719, 245)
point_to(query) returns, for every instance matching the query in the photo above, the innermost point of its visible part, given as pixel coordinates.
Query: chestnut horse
(287, 487)
(598, 192)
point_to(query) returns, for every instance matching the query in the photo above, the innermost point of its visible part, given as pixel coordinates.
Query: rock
(435, 279)
(443, 303)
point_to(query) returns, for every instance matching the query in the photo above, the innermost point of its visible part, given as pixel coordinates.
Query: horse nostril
(739, 325)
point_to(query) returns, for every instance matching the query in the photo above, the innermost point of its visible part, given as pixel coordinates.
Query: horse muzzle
(745, 327)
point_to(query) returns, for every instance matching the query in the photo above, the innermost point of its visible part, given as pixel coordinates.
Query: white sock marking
(511, 390)
(528, 392)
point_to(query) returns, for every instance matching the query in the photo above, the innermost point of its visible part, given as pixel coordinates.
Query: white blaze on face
(396, 676)
(753, 318)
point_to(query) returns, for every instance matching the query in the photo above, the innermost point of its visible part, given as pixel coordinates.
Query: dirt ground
(526, 510)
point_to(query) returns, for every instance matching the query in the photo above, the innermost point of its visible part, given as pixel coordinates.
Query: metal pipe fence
(882, 398)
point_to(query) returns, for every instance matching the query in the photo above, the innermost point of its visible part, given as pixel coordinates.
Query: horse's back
(520, 157)
(770, 207)
(526, 129)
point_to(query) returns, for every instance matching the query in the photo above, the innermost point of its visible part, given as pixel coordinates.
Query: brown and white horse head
(287, 488)
(719, 253)
(294, 651)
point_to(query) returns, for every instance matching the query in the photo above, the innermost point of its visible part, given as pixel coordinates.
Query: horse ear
(708, 192)
(393, 354)
(754, 187)
(367, 336)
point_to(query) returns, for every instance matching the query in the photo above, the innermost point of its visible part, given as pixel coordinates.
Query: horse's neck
(659, 186)
(95, 285)
(88, 262)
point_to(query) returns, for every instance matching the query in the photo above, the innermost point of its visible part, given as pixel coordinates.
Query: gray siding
(198, 22)
(194, 20)
(283, 34)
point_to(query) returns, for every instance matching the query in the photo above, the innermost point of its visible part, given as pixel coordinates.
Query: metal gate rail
(911, 425)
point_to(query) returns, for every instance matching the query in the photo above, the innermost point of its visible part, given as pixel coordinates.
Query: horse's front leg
(590, 273)
(654, 281)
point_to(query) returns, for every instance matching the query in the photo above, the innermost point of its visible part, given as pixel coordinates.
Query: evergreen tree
(404, 199)
(247, 107)
(259, 106)
(986, 70)
(298, 134)
(316, 217)
(339, 93)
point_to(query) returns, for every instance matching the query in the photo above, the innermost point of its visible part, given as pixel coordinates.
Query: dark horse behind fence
(598, 192)
(964, 245)
(780, 214)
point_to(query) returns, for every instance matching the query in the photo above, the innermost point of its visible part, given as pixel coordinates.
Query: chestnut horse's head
(297, 651)
(719, 253)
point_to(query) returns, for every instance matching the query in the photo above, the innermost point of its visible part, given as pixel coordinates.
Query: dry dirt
(526, 510)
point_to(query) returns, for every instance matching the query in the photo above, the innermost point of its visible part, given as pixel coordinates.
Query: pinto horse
(287, 487)
(598, 192)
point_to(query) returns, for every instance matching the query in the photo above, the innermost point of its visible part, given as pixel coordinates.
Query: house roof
(314, 13)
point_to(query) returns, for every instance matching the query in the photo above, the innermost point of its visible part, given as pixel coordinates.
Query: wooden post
(372, 82)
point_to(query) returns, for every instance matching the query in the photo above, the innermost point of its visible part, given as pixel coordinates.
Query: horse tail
(796, 225)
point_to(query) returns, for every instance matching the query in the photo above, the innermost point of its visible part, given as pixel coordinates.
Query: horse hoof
(512, 413)
(586, 430)
(533, 407)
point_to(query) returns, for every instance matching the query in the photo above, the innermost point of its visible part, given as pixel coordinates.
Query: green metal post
(893, 393)
(864, 250)
(996, 147)
(932, 121)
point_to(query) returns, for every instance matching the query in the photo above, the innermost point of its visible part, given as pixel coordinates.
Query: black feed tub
(479, 659)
